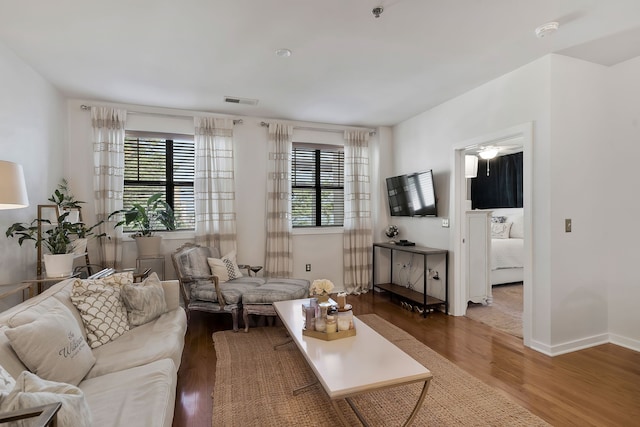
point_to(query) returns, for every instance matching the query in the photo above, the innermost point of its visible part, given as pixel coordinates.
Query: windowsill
(317, 230)
(168, 235)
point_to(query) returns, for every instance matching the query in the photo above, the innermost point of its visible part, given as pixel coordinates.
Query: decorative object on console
(144, 219)
(13, 190)
(391, 231)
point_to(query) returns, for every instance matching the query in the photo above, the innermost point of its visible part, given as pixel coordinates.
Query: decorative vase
(322, 298)
(148, 246)
(58, 265)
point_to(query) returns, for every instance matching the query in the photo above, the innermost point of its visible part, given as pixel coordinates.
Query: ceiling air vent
(236, 100)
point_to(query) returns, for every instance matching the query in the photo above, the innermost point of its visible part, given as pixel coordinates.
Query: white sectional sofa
(133, 379)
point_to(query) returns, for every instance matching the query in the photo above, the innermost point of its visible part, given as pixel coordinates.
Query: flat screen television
(412, 195)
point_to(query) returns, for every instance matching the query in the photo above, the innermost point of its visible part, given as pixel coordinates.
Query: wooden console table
(423, 298)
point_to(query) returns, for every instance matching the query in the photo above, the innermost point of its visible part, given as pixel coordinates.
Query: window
(317, 186)
(161, 164)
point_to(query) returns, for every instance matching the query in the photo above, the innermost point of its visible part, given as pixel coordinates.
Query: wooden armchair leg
(234, 315)
(245, 317)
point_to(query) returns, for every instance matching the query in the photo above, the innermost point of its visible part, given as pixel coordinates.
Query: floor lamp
(13, 190)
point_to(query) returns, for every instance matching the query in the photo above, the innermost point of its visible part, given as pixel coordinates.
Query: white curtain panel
(214, 186)
(108, 178)
(358, 239)
(279, 251)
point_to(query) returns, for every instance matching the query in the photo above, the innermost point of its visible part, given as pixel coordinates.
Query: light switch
(445, 222)
(567, 225)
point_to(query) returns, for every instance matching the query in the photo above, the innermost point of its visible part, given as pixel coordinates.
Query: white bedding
(507, 253)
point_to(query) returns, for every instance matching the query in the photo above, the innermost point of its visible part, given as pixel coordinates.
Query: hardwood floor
(599, 386)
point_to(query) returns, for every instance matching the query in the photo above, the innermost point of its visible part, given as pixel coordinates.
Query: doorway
(523, 134)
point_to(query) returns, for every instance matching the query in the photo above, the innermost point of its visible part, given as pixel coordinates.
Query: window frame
(168, 185)
(317, 186)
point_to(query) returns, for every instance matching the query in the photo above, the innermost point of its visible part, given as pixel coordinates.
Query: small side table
(8, 290)
(44, 280)
(154, 259)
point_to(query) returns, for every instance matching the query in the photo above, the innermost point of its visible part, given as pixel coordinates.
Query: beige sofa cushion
(31, 390)
(143, 396)
(158, 339)
(51, 345)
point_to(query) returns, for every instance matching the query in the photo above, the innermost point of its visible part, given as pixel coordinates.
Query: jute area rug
(505, 313)
(254, 384)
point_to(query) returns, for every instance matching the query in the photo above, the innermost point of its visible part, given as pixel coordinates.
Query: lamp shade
(13, 190)
(470, 166)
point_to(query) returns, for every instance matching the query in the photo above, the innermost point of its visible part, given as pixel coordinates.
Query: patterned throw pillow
(144, 301)
(101, 307)
(52, 345)
(31, 391)
(500, 230)
(498, 219)
(225, 268)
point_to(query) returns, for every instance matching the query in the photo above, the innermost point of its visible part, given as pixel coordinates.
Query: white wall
(619, 221)
(579, 279)
(586, 139)
(32, 133)
(427, 141)
(323, 250)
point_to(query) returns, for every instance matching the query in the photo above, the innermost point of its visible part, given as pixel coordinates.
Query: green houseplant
(59, 237)
(143, 218)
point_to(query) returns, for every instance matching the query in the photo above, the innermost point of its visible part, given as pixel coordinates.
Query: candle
(342, 299)
(331, 324)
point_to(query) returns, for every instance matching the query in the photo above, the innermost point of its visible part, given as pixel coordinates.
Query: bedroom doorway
(508, 141)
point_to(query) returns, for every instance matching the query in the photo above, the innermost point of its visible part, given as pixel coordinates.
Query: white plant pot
(148, 246)
(58, 265)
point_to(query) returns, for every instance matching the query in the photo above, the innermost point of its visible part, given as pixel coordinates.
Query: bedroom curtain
(357, 236)
(279, 251)
(108, 126)
(213, 187)
(503, 187)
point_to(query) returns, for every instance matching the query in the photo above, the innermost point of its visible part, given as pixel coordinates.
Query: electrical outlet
(567, 225)
(445, 222)
(307, 267)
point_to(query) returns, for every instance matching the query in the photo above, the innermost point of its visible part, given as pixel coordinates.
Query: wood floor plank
(599, 386)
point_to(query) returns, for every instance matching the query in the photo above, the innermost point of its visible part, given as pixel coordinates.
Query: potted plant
(143, 218)
(58, 238)
(66, 202)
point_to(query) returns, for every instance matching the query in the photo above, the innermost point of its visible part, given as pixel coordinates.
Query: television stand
(427, 301)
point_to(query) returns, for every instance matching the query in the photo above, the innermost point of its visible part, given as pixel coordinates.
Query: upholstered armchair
(200, 289)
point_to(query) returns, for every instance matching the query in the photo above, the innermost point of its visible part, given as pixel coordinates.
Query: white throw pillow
(101, 307)
(31, 391)
(500, 230)
(144, 301)
(52, 346)
(517, 229)
(225, 268)
(6, 381)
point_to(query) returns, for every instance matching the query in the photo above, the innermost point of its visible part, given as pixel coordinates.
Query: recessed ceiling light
(283, 53)
(546, 29)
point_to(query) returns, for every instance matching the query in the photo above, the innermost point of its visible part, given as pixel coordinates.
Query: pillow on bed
(500, 230)
(517, 227)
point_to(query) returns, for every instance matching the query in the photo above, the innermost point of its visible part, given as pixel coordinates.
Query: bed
(507, 245)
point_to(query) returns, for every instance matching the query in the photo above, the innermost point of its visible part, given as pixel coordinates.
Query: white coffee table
(350, 366)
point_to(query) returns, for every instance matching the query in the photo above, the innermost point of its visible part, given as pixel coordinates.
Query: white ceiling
(347, 67)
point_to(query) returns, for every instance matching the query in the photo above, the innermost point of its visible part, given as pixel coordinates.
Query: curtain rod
(88, 107)
(371, 131)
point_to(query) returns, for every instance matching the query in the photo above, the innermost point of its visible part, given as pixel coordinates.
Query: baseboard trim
(625, 342)
(570, 346)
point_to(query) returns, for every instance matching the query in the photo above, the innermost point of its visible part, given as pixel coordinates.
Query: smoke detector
(237, 100)
(546, 29)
